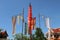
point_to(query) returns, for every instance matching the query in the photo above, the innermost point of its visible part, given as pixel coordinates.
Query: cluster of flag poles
(17, 18)
(30, 24)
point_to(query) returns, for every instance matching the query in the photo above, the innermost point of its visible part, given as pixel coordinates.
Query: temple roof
(3, 34)
(56, 30)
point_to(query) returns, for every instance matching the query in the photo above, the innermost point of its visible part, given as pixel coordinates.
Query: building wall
(55, 35)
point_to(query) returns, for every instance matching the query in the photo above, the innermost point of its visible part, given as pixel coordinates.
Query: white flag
(18, 19)
(48, 26)
(47, 23)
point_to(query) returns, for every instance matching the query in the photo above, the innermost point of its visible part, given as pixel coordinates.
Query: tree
(38, 35)
(1, 29)
(19, 37)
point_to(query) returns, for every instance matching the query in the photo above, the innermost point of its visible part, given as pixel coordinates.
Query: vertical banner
(29, 21)
(47, 23)
(14, 24)
(22, 18)
(33, 23)
(18, 19)
(34, 27)
(48, 26)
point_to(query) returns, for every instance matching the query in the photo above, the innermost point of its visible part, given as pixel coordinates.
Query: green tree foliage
(19, 37)
(38, 35)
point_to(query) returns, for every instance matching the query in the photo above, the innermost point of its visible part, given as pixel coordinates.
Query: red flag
(30, 18)
(13, 23)
(33, 22)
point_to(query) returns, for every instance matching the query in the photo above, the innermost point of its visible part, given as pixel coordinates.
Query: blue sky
(9, 8)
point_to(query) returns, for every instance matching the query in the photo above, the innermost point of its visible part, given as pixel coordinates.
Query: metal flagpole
(22, 22)
(39, 20)
(22, 30)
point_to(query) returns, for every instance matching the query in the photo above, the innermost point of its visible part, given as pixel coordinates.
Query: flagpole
(22, 30)
(22, 22)
(39, 20)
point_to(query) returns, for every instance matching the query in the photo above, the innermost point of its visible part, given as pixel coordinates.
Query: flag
(14, 24)
(48, 26)
(30, 19)
(23, 15)
(33, 23)
(34, 27)
(29, 26)
(18, 19)
(26, 28)
(47, 23)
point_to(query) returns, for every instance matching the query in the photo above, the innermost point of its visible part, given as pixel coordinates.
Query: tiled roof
(56, 30)
(3, 34)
